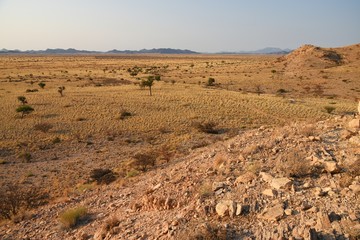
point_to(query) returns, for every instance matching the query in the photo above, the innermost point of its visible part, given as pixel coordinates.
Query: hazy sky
(200, 25)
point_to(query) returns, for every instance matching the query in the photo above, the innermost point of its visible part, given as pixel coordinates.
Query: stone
(266, 177)
(281, 183)
(318, 192)
(269, 192)
(226, 207)
(245, 178)
(288, 212)
(218, 185)
(355, 123)
(239, 209)
(274, 213)
(305, 205)
(355, 188)
(355, 140)
(323, 222)
(346, 134)
(331, 167)
(241, 158)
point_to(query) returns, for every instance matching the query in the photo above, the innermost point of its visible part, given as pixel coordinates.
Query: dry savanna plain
(95, 111)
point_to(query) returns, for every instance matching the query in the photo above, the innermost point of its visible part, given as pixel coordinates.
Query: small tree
(24, 109)
(144, 160)
(211, 82)
(258, 89)
(148, 83)
(22, 99)
(42, 85)
(60, 90)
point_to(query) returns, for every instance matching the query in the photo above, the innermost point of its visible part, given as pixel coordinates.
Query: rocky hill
(313, 57)
(300, 181)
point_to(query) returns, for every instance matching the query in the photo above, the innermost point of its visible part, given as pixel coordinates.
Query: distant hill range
(268, 50)
(75, 51)
(142, 51)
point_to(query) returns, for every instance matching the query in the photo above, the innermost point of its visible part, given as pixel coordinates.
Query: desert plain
(105, 119)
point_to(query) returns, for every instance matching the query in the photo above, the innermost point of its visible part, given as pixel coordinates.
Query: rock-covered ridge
(300, 181)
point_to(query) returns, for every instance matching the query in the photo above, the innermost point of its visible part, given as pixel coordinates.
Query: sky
(198, 25)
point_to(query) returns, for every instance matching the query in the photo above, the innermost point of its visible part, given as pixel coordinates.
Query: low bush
(124, 114)
(43, 127)
(207, 127)
(144, 160)
(102, 176)
(70, 218)
(329, 109)
(14, 197)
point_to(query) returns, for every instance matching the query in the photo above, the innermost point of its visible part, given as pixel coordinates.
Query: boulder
(245, 178)
(274, 213)
(281, 183)
(226, 207)
(355, 124)
(218, 185)
(266, 177)
(269, 192)
(331, 167)
(323, 222)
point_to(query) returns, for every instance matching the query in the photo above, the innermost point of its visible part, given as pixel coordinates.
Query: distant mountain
(268, 50)
(75, 51)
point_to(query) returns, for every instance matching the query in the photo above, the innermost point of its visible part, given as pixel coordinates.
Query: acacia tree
(24, 109)
(148, 83)
(22, 99)
(60, 90)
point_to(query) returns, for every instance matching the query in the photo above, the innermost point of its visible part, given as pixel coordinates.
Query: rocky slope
(299, 181)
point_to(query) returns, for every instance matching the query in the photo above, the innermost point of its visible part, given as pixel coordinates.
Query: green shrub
(132, 173)
(70, 218)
